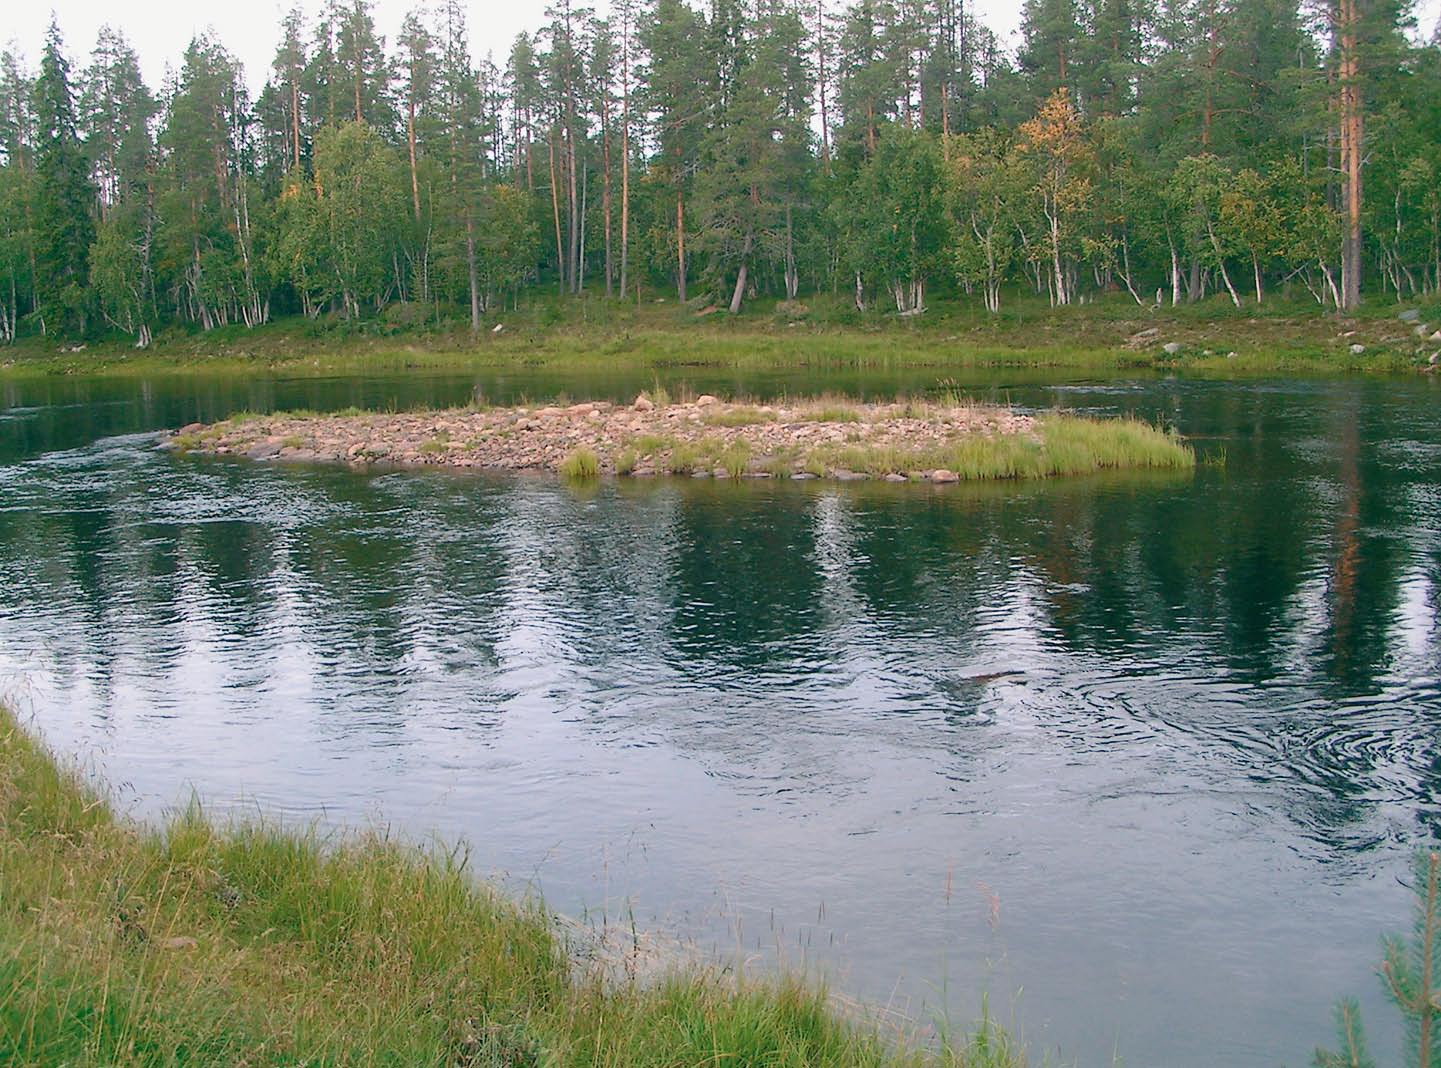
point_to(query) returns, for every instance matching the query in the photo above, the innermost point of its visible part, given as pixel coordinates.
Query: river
(1144, 758)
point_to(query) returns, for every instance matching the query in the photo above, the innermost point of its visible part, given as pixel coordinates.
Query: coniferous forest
(1157, 150)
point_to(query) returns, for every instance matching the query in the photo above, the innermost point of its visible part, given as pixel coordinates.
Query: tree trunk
(1175, 270)
(295, 120)
(605, 193)
(410, 138)
(1060, 296)
(1351, 150)
(680, 244)
(575, 243)
(793, 282)
(472, 273)
(1126, 268)
(821, 80)
(625, 164)
(740, 289)
(555, 210)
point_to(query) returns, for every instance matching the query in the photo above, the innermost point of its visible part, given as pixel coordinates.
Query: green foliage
(1411, 974)
(889, 152)
(357, 204)
(63, 226)
(894, 220)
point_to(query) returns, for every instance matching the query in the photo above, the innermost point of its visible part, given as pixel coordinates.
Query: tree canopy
(1171, 150)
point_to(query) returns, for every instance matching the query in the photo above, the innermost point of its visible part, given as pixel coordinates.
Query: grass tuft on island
(197, 944)
(947, 441)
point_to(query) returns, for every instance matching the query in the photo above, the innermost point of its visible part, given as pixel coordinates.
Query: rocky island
(706, 437)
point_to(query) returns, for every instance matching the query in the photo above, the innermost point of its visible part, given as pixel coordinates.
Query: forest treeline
(1172, 150)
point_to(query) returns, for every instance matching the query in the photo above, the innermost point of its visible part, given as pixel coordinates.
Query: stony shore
(703, 437)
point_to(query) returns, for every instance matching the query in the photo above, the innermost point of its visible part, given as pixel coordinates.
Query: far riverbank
(660, 338)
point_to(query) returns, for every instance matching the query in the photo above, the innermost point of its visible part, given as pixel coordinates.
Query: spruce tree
(64, 227)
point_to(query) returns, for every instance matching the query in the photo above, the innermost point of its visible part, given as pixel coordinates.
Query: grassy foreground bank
(951, 338)
(194, 944)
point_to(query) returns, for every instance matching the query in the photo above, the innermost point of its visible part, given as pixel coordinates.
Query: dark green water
(1152, 751)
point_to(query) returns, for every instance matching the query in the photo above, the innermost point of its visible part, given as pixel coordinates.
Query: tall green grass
(1064, 445)
(580, 463)
(197, 944)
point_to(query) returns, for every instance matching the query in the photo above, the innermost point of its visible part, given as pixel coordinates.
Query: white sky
(160, 29)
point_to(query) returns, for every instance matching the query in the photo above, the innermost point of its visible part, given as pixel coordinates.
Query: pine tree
(288, 71)
(207, 236)
(117, 110)
(361, 55)
(461, 117)
(1051, 41)
(869, 84)
(674, 40)
(417, 69)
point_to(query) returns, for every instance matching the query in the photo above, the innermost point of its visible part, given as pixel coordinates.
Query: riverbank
(908, 440)
(950, 338)
(196, 943)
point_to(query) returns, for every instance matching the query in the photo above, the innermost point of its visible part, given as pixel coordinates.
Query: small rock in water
(1410, 315)
(1357, 349)
(643, 404)
(263, 450)
(1170, 348)
(894, 477)
(942, 475)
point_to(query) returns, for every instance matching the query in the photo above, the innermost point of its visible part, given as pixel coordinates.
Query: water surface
(1150, 751)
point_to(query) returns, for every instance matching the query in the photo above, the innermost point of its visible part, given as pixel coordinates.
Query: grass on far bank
(661, 335)
(197, 944)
